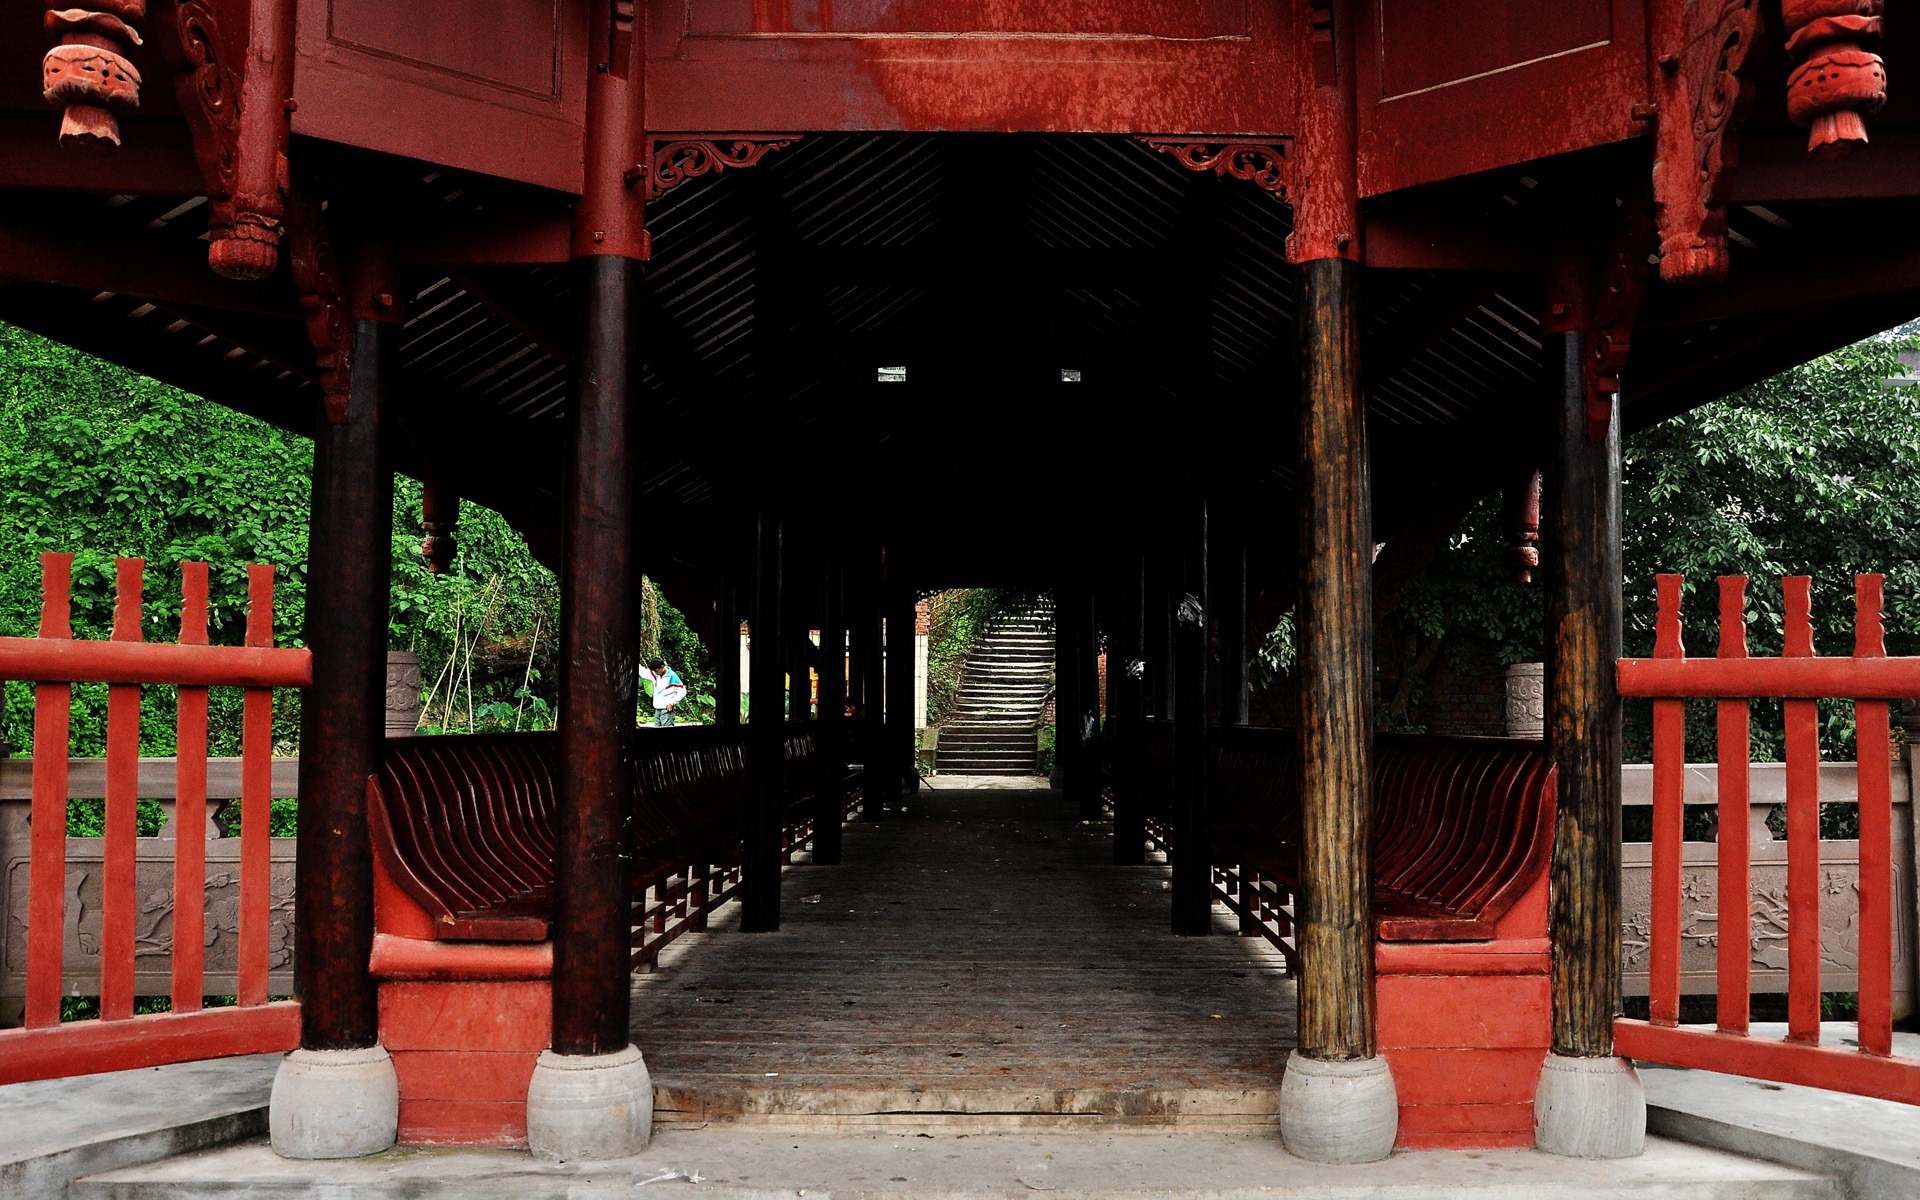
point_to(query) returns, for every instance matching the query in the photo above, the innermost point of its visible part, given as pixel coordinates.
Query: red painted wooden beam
(1771, 678)
(1829, 1067)
(154, 663)
(88, 1047)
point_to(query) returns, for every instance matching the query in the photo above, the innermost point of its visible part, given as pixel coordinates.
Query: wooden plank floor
(975, 963)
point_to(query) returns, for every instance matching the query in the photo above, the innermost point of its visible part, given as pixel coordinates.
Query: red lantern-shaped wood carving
(89, 72)
(1837, 80)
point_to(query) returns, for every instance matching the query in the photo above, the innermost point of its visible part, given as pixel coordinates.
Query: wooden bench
(463, 831)
(1463, 837)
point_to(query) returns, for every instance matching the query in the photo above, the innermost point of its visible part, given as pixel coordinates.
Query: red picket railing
(54, 661)
(1800, 679)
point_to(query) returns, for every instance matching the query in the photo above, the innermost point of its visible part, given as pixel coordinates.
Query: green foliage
(1812, 472)
(956, 620)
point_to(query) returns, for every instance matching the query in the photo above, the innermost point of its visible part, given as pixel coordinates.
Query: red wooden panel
(464, 1074)
(1139, 18)
(1489, 1011)
(1669, 792)
(256, 800)
(1449, 88)
(1876, 832)
(1463, 1126)
(117, 898)
(1734, 957)
(1843, 1070)
(515, 45)
(1431, 43)
(500, 90)
(1451, 1076)
(88, 1047)
(1803, 828)
(190, 807)
(466, 1016)
(47, 873)
(463, 1123)
(1137, 66)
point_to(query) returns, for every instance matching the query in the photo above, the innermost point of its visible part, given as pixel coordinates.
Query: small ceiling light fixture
(1069, 374)
(893, 374)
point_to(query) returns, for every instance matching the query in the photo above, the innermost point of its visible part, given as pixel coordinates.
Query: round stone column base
(334, 1104)
(589, 1107)
(1338, 1110)
(1589, 1108)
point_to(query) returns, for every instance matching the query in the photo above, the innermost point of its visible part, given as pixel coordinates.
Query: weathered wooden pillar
(1228, 588)
(590, 1096)
(767, 701)
(1073, 706)
(1126, 707)
(901, 641)
(1192, 858)
(879, 783)
(830, 741)
(1589, 1103)
(726, 642)
(337, 1096)
(1337, 1100)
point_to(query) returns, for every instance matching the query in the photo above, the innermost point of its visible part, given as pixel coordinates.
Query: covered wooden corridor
(975, 963)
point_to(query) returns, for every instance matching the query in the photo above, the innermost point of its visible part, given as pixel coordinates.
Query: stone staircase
(994, 728)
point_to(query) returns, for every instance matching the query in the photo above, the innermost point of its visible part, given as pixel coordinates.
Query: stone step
(950, 1156)
(53, 1131)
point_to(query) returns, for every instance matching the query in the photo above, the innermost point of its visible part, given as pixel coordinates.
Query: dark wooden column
(766, 699)
(1335, 910)
(1228, 588)
(900, 655)
(880, 781)
(342, 717)
(593, 859)
(1582, 563)
(830, 734)
(1126, 695)
(726, 647)
(1192, 864)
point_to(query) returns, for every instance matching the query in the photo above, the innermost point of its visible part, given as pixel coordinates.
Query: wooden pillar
(1192, 859)
(1066, 688)
(1336, 675)
(337, 1096)
(871, 731)
(1228, 588)
(830, 737)
(593, 854)
(798, 661)
(898, 760)
(767, 697)
(726, 648)
(1126, 694)
(342, 717)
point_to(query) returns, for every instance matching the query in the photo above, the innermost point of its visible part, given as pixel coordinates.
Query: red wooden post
(256, 800)
(117, 892)
(47, 879)
(1803, 828)
(1735, 848)
(1876, 831)
(1669, 799)
(190, 807)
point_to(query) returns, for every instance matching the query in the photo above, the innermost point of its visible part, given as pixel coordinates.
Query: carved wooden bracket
(89, 72)
(673, 159)
(1702, 48)
(1837, 79)
(323, 300)
(234, 62)
(1262, 162)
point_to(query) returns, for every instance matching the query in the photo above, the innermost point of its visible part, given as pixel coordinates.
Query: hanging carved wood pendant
(89, 73)
(1703, 49)
(1837, 80)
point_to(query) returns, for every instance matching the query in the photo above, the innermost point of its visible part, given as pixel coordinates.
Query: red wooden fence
(46, 1047)
(1799, 678)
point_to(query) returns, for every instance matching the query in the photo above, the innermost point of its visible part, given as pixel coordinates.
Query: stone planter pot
(403, 693)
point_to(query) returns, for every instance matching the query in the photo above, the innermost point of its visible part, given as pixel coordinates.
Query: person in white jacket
(667, 689)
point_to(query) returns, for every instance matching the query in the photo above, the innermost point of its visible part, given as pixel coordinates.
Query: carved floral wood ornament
(1260, 161)
(89, 72)
(1702, 50)
(1837, 80)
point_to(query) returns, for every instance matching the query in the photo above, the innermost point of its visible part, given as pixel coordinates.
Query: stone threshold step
(731, 1165)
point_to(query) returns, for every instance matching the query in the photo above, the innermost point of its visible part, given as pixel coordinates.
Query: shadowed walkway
(976, 963)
